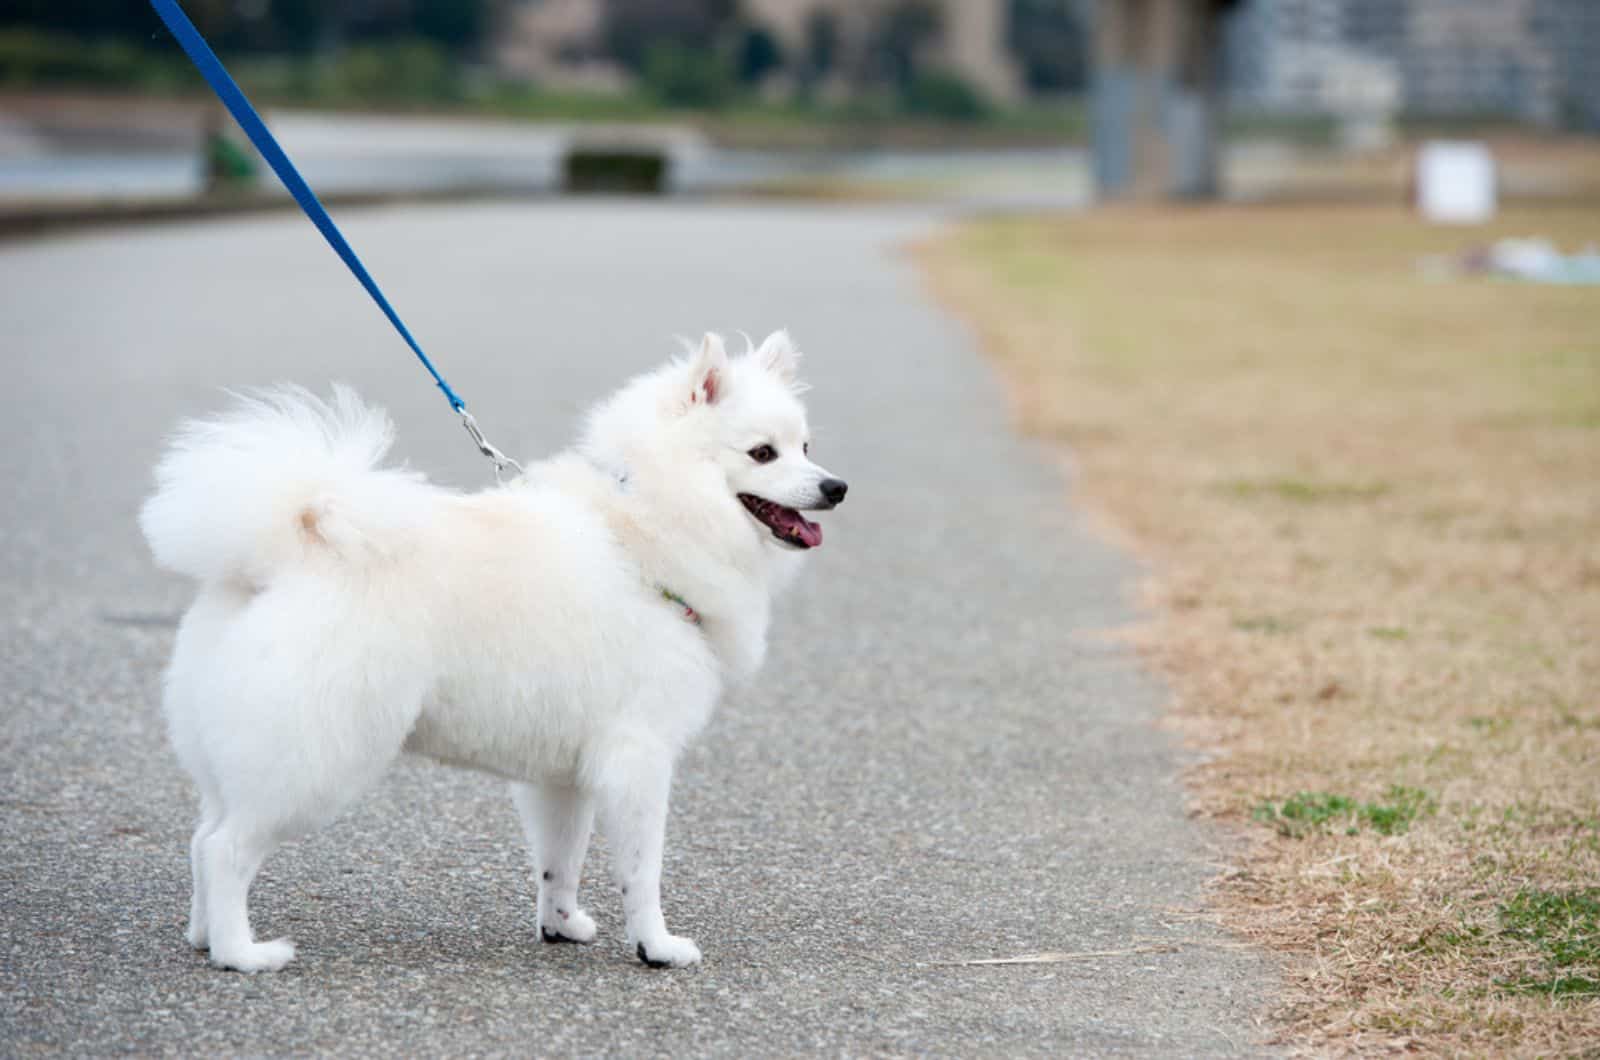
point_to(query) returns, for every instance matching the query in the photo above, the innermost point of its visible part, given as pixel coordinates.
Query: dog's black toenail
(645, 957)
(546, 874)
(551, 936)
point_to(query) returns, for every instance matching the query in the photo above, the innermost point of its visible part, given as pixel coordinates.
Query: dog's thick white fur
(570, 631)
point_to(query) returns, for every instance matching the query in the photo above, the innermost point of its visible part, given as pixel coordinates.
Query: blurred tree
(272, 26)
(902, 32)
(287, 25)
(1052, 44)
(453, 23)
(822, 46)
(395, 70)
(634, 28)
(759, 54)
(89, 18)
(688, 77)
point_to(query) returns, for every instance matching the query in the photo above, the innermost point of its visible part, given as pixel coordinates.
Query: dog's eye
(763, 454)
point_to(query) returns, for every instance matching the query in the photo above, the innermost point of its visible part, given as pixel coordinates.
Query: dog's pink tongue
(808, 532)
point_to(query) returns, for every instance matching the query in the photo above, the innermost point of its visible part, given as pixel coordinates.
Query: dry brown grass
(1372, 505)
(1529, 166)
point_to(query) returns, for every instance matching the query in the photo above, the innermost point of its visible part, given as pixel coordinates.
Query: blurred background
(994, 102)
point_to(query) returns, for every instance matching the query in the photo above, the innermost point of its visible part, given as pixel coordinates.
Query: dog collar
(689, 613)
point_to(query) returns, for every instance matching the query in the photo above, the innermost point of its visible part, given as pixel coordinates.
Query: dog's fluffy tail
(281, 473)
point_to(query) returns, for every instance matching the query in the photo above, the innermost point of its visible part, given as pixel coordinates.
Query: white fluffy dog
(570, 631)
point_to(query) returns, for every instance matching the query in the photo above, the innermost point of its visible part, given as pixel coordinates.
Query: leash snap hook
(500, 460)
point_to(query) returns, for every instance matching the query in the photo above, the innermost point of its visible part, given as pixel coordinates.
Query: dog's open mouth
(786, 524)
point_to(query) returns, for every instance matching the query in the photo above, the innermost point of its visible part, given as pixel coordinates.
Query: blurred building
(967, 38)
(560, 42)
(556, 43)
(1533, 60)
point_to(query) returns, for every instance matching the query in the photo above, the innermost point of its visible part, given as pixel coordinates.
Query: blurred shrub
(633, 29)
(688, 77)
(524, 100)
(1310, 130)
(31, 57)
(407, 70)
(412, 70)
(941, 94)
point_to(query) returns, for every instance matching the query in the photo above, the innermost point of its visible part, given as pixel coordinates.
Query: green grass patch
(1308, 812)
(1469, 936)
(1264, 624)
(1556, 986)
(1304, 491)
(1564, 927)
(1304, 812)
(1388, 632)
(1488, 723)
(1401, 806)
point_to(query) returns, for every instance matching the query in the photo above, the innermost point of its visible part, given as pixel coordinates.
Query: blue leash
(227, 90)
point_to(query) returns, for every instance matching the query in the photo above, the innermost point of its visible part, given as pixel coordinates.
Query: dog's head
(733, 424)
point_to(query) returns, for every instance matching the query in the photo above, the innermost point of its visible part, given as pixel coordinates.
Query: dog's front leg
(557, 820)
(634, 815)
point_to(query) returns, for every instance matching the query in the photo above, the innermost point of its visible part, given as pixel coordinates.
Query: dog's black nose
(833, 489)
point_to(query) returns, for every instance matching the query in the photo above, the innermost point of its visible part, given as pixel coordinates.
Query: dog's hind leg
(306, 708)
(210, 816)
(230, 856)
(557, 820)
(301, 787)
(633, 800)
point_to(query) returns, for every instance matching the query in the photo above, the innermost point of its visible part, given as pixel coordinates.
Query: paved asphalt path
(941, 761)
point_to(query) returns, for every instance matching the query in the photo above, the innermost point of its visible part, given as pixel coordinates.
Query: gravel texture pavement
(943, 760)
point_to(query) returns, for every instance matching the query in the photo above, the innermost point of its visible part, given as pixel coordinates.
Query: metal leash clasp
(500, 460)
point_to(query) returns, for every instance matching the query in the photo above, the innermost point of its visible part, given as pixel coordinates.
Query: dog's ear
(708, 372)
(779, 355)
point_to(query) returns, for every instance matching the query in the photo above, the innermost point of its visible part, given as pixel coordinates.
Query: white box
(1455, 182)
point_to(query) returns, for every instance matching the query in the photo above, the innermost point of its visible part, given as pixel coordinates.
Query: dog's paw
(197, 937)
(255, 956)
(565, 926)
(669, 951)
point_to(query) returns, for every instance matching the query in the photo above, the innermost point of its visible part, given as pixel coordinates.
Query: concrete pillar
(1155, 97)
